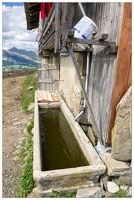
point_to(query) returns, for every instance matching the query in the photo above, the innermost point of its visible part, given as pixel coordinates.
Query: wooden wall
(107, 17)
(123, 69)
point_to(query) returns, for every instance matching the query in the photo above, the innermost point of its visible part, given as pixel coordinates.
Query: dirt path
(14, 121)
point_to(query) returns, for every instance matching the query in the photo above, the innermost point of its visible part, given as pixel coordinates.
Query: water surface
(60, 149)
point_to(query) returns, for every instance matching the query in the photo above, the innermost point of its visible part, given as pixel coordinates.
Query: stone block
(114, 167)
(123, 180)
(31, 106)
(94, 192)
(122, 133)
(112, 187)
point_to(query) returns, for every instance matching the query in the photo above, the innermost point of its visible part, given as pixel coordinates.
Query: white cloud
(14, 29)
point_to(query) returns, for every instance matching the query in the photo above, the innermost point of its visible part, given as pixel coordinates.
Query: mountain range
(14, 58)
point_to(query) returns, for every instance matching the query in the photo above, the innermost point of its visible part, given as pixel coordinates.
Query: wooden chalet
(64, 58)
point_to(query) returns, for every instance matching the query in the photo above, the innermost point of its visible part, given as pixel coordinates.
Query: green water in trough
(60, 149)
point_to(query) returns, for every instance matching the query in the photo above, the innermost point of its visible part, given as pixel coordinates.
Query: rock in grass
(112, 187)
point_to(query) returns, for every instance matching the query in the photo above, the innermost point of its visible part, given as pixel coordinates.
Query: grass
(59, 194)
(27, 95)
(26, 176)
(27, 183)
(120, 194)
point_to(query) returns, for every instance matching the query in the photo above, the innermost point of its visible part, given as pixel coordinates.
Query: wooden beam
(48, 42)
(90, 42)
(123, 73)
(101, 37)
(57, 28)
(111, 49)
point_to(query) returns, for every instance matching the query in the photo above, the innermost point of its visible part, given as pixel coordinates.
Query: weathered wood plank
(44, 96)
(47, 39)
(54, 96)
(49, 43)
(44, 69)
(107, 18)
(57, 28)
(46, 20)
(123, 65)
(46, 81)
(90, 42)
(49, 26)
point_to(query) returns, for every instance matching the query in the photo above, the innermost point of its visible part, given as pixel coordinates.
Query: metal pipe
(91, 115)
(82, 9)
(87, 69)
(86, 85)
(87, 74)
(79, 115)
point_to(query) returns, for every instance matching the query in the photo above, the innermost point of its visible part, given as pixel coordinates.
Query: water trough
(69, 178)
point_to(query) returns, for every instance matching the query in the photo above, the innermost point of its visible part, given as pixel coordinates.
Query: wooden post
(57, 28)
(123, 73)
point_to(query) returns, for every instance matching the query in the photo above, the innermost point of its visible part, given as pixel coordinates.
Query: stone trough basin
(70, 178)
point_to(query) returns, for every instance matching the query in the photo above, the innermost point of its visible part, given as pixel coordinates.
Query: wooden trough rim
(46, 96)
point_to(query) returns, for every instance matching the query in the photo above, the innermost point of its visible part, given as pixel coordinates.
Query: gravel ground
(14, 121)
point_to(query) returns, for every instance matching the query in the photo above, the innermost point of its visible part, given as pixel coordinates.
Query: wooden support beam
(101, 37)
(123, 73)
(70, 33)
(49, 42)
(111, 49)
(57, 28)
(90, 41)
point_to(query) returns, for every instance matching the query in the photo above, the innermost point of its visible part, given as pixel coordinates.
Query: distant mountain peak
(14, 48)
(20, 57)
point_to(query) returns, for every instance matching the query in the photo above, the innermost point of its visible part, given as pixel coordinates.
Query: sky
(14, 28)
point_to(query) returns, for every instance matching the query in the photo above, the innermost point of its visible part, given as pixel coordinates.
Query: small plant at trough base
(120, 194)
(59, 194)
(26, 176)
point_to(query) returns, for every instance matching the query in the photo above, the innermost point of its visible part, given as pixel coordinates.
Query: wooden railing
(50, 38)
